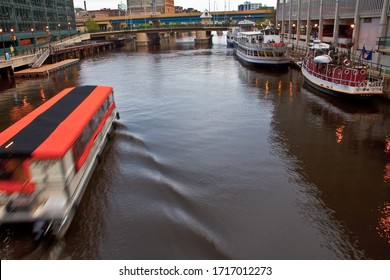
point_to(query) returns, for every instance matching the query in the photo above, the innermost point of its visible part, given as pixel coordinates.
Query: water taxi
(260, 47)
(47, 158)
(334, 73)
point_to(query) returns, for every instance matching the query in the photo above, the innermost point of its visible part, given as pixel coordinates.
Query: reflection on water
(214, 160)
(383, 227)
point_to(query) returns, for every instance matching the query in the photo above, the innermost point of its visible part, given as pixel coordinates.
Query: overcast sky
(200, 5)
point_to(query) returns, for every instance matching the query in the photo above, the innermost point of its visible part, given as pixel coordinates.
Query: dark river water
(214, 160)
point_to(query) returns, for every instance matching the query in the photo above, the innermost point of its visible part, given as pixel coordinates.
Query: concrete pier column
(201, 38)
(308, 23)
(336, 25)
(154, 39)
(141, 39)
(355, 32)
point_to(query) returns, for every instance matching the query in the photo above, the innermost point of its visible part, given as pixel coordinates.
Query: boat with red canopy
(48, 157)
(335, 73)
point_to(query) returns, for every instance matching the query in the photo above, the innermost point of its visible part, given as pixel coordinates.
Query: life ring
(347, 62)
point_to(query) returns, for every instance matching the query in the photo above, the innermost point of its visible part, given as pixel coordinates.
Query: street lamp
(33, 37)
(13, 39)
(214, 13)
(59, 31)
(293, 31)
(315, 30)
(145, 16)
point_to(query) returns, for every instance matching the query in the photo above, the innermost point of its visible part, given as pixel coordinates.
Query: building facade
(348, 24)
(248, 6)
(151, 6)
(29, 23)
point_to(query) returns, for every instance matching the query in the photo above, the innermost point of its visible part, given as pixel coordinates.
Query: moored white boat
(47, 158)
(334, 73)
(260, 47)
(230, 37)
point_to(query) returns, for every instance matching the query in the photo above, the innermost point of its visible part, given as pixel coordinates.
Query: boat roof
(317, 44)
(50, 130)
(251, 33)
(246, 22)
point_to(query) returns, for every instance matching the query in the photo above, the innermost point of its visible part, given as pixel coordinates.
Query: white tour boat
(260, 47)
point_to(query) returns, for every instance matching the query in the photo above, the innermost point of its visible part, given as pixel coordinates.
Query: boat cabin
(47, 157)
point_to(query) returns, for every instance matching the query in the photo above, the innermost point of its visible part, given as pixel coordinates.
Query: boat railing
(371, 83)
(258, 44)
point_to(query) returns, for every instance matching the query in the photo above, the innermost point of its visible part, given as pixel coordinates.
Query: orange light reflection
(383, 227)
(387, 146)
(386, 177)
(339, 134)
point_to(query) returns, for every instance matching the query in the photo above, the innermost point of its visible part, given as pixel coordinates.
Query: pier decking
(45, 70)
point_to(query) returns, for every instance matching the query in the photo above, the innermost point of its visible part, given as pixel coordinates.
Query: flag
(366, 54)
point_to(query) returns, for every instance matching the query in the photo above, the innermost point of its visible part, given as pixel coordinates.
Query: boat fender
(117, 115)
(347, 62)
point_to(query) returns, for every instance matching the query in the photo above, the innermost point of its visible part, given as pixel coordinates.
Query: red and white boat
(334, 73)
(47, 158)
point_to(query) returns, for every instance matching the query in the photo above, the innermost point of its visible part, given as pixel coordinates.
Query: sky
(200, 5)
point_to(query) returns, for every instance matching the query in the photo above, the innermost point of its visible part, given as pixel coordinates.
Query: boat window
(89, 131)
(12, 170)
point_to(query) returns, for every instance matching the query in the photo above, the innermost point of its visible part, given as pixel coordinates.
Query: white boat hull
(256, 60)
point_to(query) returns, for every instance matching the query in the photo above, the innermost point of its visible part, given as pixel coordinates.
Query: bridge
(148, 27)
(151, 36)
(133, 20)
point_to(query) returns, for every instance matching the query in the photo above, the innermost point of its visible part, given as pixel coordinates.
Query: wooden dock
(45, 70)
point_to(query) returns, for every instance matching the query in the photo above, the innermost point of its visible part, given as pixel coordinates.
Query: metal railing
(372, 83)
(41, 59)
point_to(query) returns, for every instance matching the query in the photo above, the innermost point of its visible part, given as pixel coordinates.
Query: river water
(214, 160)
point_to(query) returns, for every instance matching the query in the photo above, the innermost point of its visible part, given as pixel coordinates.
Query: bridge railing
(175, 26)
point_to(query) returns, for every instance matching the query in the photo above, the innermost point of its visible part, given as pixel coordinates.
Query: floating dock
(45, 70)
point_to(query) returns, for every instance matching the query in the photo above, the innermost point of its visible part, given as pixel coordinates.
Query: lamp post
(315, 31)
(352, 43)
(33, 37)
(2, 40)
(69, 28)
(59, 31)
(13, 39)
(293, 31)
(214, 13)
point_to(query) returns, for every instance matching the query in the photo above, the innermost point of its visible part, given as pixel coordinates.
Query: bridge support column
(141, 39)
(202, 37)
(154, 39)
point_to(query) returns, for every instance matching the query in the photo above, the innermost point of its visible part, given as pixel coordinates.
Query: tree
(92, 26)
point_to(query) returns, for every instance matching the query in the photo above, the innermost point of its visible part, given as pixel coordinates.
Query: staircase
(39, 58)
